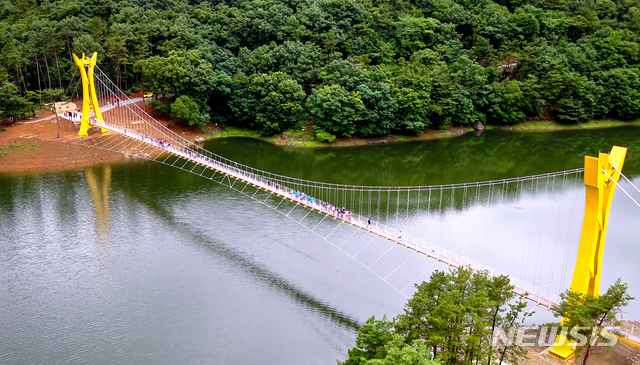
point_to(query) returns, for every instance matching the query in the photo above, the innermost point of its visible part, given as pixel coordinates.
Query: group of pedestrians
(71, 115)
(164, 145)
(341, 213)
(160, 143)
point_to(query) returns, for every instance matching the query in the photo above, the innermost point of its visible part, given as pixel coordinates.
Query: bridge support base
(89, 96)
(586, 275)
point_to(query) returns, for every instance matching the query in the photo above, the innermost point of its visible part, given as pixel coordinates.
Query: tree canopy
(586, 314)
(353, 67)
(451, 319)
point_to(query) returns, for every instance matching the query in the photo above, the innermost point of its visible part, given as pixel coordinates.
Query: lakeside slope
(34, 146)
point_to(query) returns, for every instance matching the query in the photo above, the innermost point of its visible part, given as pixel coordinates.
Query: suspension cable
(626, 178)
(621, 188)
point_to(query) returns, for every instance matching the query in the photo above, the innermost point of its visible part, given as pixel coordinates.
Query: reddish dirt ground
(35, 146)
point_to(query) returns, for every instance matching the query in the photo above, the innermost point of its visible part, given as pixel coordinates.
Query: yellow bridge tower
(600, 177)
(89, 96)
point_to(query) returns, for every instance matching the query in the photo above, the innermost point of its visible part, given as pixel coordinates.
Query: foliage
(377, 344)
(383, 66)
(160, 108)
(586, 313)
(271, 103)
(187, 110)
(335, 109)
(371, 341)
(10, 100)
(322, 135)
(451, 318)
(401, 353)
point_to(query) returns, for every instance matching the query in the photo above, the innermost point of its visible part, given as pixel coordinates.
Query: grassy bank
(306, 139)
(549, 126)
(15, 146)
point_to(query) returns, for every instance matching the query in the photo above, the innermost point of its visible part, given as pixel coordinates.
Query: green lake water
(137, 262)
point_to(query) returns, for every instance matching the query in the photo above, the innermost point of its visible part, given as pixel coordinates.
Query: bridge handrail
(258, 176)
(326, 185)
(531, 291)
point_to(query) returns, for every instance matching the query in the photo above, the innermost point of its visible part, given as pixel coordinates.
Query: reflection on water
(200, 274)
(492, 155)
(100, 195)
(531, 230)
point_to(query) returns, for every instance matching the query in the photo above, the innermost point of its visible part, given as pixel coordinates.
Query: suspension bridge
(111, 121)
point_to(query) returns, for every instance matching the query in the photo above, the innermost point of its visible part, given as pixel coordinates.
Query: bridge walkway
(155, 149)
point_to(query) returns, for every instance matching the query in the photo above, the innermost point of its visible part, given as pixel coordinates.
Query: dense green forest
(353, 67)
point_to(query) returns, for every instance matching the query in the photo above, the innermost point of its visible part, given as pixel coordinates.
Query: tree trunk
(55, 53)
(119, 75)
(502, 355)
(586, 356)
(73, 78)
(68, 47)
(46, 63)
(468, 352)
(17, 78)
(37, 70)
(24, 83)
(493, 329)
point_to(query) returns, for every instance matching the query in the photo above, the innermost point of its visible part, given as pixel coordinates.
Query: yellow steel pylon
(89, 96)
(586, 275)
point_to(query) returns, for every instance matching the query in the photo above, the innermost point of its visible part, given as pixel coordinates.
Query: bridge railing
(162, 132)
(123, 116)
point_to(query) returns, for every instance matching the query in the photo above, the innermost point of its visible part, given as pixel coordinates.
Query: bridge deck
(285, 192)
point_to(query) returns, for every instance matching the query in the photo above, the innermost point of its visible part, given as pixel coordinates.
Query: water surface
(138, 262)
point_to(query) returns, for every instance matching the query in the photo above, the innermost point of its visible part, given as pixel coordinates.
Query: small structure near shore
(62, 107)
(65, 107)
(8, 119)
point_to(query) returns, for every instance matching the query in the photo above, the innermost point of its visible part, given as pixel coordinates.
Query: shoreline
(33, 146)
(306, 139)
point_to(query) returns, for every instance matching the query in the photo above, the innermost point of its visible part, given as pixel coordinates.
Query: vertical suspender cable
(398, 205)
(408, 199)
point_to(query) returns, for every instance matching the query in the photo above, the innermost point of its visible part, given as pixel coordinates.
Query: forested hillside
(353, 67)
